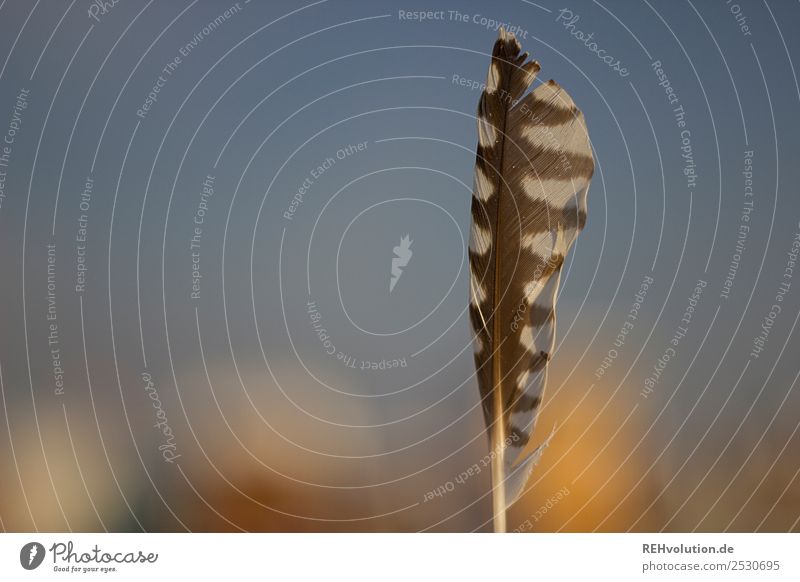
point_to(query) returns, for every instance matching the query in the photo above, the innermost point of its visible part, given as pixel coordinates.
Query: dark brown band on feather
(540, 216)
(539, 315)
(571, 165)
(477, 322)
(518, 437)
(525, 402)
(549, 113)
(480, 215)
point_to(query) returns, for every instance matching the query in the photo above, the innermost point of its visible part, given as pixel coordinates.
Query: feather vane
(533, 166)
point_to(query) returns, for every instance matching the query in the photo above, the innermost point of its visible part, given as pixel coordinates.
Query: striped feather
(532, 172)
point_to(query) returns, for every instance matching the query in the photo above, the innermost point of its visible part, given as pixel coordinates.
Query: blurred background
(199, 206)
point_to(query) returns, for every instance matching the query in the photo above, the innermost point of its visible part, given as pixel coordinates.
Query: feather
(532, 172)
